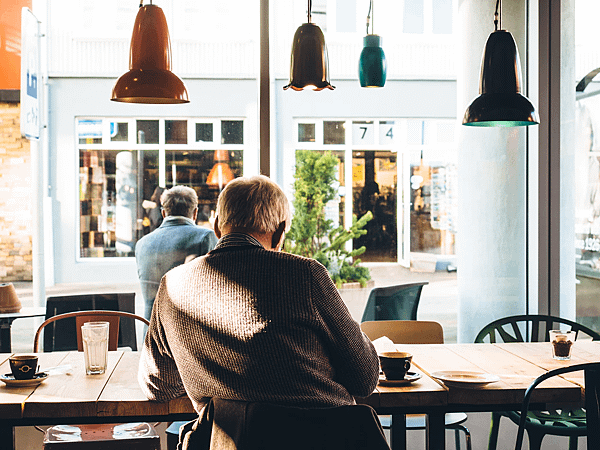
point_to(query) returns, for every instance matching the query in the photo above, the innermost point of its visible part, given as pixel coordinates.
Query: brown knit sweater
(245, 323)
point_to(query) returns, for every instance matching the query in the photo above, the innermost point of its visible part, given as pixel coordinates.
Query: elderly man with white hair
(248, 322)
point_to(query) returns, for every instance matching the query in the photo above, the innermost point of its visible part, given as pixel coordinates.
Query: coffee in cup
(395, 365)
(23, 367)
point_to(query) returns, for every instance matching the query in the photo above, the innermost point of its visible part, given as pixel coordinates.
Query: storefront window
(120, 183)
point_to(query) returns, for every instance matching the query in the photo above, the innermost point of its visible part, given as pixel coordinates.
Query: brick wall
(15, 198)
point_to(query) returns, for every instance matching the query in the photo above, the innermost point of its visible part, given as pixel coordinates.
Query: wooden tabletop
(116, 395)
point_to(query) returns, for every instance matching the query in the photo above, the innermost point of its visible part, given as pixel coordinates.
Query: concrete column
(491, 239)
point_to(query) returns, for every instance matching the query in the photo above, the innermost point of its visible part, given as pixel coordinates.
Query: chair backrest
(529, 328)
(251, 425)
(398, 302)
(112, 317)
(405, 331)
(59, 335)
(592, 394)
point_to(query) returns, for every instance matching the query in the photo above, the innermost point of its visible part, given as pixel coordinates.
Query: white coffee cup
(95, 346)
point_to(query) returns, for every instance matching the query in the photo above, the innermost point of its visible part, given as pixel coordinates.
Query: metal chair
(132, 436)
(592, 393)
(416, 332)
(534, 328)
(57, 337)
(398, 302)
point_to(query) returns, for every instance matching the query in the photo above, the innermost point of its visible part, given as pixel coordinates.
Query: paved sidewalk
(438, 300)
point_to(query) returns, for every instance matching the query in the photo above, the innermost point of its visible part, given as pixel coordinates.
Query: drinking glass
(95, 346)
(561, 341)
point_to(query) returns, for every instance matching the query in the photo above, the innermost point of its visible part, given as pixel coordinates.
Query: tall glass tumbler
(95, 347)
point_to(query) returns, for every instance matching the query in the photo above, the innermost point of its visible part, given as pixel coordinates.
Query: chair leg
(494, 428)
(457, 428)
(535, 440)
(573, 442)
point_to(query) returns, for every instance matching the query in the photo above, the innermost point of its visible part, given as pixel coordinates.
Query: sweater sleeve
(158, 375)
(354, 358)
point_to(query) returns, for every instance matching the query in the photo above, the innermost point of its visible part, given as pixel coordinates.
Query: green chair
(398, 302)
(592, 393)
(560, 422)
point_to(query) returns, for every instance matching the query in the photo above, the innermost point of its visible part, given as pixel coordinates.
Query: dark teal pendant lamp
(500, 103)
(372, 66)
(309, 68)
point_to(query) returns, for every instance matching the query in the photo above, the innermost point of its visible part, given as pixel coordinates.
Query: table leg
(435, 432)
(5, 344)
(7, 437)
(398, 432)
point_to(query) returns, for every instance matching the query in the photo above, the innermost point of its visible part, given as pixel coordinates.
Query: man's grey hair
(179, 201)
(255, 203)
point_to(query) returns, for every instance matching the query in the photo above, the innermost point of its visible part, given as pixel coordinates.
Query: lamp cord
(369, 18)
(309, 10)
(498, 17)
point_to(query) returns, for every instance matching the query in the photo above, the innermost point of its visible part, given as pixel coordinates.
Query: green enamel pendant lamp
(372, 65)
(500, 103)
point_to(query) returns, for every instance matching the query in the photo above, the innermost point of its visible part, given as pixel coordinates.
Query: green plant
(311, 233)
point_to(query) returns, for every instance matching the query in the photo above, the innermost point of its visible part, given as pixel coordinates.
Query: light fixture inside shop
(500, 103)
(309, 68)
(372, 65)
(221, 173)
(150, 79)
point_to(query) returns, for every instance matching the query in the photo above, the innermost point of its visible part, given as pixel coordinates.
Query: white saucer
(464, 379)
(409, 378)
(10, 380)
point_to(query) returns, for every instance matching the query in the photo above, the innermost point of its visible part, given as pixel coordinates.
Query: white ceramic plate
(465, 380)
(409, 378)
(9, 380)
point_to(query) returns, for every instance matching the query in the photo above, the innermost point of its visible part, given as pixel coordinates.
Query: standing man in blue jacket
(176, 241)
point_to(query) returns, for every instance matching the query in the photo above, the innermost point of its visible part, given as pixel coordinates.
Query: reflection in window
(89, 131)
(119, 131)
(334, 133)
(306, 132)
(175, 131)
(112, 186)
(413, 17)
(442, 16)
(204, 132)
(147, 131)
(232, 132)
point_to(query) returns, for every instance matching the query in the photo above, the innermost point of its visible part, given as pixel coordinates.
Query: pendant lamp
(150, 79)
(372, 66)
(309, 67)
(221, 173)
(500, 103)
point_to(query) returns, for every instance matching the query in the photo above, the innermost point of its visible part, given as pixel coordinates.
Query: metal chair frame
(534, 328)
(592, 394)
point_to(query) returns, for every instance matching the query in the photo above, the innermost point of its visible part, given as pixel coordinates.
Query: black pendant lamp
(150, 79)
(309, 67)
(500, 103)
(372, 66)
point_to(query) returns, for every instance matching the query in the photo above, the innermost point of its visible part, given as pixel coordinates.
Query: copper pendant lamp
(500, 103)
(150, 79)
(309, 68)
(221, 173)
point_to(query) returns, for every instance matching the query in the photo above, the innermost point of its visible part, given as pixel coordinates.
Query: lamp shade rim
(501, 109)
(150, 86)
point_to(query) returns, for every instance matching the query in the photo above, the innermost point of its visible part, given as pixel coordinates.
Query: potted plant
(314, 236)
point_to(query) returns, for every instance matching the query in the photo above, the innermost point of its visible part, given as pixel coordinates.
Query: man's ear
(195, 214)
(163, 213)
(276, 240)
(216, 228)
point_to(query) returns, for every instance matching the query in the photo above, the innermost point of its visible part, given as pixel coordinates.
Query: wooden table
(116, 397)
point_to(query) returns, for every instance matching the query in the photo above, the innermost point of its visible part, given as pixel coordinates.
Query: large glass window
(121, 175)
